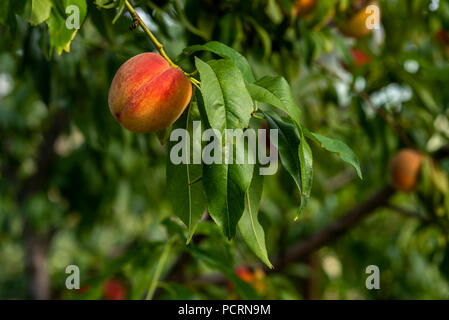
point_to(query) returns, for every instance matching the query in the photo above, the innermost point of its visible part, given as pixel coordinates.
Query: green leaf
(338, 147)
(261, 94)
(306, 162)
(288, 145)
(226, 52)
(227, 101)
(5, 11)
(217, 261)
(225, 186)
(249, 225)
(40, 11)
(228, 105)
(60, 34)
(185, 191)
(264, 37)
(277, 92)
(121, 6)
(158, 271)
(296, 157)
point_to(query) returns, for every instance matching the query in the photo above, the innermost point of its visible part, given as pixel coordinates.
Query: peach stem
(159, 46)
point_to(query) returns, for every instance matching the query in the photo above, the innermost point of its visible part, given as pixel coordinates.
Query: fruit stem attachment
(159, 46)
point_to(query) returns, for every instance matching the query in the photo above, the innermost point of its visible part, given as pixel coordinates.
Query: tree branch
(409, 213)
(336, 229)
(323, 237)
(37, 245)
(159, 46)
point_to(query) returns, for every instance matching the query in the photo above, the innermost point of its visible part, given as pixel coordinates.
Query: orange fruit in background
(405, 168)
(356, 26)
(244, 273)
(360, 58)
(255, 278)
(114, 289)
(304, 7)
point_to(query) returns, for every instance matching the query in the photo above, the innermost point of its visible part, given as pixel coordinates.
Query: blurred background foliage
(78, 189)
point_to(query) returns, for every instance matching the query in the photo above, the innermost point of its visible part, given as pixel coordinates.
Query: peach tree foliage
(235, 94)
(228, 98)
(229, 84)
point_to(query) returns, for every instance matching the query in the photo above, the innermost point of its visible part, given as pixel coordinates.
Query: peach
(114, 289)
(147, 94)
(405, 168)
(356, 26)
(304, 7)
(360, 58)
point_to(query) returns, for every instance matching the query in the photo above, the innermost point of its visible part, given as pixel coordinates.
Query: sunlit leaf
(226, 52)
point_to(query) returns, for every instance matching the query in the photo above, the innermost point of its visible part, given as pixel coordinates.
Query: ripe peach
(405, 168)
(303, 7)
(114, 289)
(255, 278)
(244, 273)
(147, 94)
(360, 58)
(356, 26)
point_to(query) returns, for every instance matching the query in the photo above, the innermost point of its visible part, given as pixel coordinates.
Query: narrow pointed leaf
(121, 6)
(249, 225)
(306, 162)
(288, 144)
(226, 52)
(184, 188)
(338, 147)
(59, 22)
(296, 157)
(277, 92)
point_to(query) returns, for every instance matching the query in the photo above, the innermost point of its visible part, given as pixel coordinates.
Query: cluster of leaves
(229, 94)
(53, 13)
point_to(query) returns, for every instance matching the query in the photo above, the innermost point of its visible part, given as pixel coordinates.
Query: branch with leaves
(227, 98)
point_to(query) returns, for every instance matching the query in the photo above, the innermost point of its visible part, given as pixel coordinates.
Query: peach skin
(147, 94)
(356, 26)
(303, 7)
(405, 168)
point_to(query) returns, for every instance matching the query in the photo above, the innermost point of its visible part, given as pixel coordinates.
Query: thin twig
(159, 46)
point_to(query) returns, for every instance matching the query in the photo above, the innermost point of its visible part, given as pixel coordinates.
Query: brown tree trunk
(37, 266)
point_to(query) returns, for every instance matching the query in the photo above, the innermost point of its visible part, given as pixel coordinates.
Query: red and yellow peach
(147, 94)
